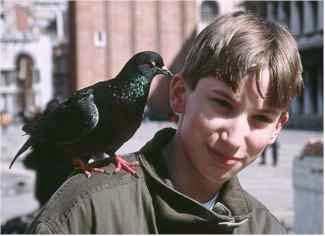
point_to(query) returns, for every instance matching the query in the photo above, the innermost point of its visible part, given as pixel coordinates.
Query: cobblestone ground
(271, 185)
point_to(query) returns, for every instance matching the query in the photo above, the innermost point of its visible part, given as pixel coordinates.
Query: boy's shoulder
(79, 189)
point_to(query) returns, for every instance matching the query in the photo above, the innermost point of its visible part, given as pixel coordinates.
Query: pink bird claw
(86, 168)
(87, 173)
(122, 164)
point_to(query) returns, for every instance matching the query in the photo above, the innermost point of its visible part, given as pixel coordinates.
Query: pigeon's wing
(70, 121)
(50, 107)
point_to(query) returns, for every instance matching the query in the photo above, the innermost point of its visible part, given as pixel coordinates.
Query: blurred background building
(32, 34)
(50, 48)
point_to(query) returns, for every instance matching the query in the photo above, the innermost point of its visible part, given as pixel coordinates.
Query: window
(209, 10)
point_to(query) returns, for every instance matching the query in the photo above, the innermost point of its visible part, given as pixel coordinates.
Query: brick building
(107, 33)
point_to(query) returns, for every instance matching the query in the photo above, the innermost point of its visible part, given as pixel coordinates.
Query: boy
(232, 98)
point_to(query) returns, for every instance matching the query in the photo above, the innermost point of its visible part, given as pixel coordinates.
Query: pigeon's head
(149, 64)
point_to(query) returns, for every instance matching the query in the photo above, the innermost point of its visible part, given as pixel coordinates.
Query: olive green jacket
(119, 203)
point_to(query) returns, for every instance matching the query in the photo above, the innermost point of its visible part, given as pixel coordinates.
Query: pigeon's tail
(26, 145)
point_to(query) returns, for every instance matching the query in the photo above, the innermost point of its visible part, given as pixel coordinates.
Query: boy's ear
(279, 126)
(177, 94)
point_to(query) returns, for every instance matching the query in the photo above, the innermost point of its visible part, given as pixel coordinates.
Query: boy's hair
(237, 43)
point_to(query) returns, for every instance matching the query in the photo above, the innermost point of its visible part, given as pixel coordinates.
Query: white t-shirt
(209, 204)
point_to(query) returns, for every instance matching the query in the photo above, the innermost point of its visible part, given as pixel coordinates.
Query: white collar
(210, 204)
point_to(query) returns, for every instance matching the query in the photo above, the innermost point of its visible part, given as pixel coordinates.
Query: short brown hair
(240, 42)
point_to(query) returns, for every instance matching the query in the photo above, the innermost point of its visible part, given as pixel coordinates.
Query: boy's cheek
(258, 145)
(196, 127)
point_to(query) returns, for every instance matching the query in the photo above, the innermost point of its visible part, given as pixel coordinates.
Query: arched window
(25, 100)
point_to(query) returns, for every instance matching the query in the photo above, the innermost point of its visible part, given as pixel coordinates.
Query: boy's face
(222, 132)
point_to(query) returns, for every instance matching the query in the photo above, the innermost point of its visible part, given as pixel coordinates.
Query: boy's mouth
(225, 159)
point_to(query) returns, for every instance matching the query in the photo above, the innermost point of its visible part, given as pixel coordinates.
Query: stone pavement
(271, 185)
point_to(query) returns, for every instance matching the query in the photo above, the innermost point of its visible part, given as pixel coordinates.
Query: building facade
(108, 33)
(27, 43)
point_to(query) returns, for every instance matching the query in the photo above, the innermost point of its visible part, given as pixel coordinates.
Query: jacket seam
(53, 226)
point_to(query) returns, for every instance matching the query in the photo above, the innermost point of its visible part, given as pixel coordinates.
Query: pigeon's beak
(163, 70)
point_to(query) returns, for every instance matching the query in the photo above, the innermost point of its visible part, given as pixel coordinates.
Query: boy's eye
(222, 103)
(263, 118)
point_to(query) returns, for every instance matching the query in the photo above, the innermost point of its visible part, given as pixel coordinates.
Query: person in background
(274, 147)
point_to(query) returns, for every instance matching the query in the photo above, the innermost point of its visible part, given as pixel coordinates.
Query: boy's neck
(185, 178)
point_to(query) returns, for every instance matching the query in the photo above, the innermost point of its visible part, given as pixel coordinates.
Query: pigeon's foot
(87, 169)
(125, 165)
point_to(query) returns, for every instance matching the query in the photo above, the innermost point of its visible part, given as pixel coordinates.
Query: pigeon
(98, 119)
